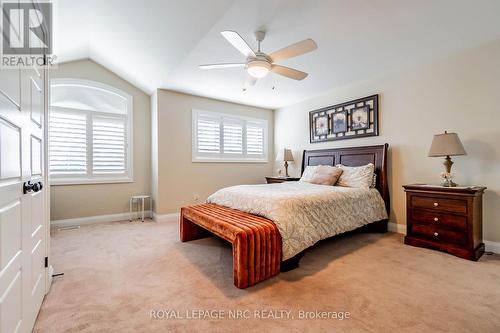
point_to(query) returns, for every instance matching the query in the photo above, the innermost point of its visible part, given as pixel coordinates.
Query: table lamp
(285, 155)
(447, 144)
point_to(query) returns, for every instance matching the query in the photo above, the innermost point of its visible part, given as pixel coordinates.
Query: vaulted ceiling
(159, 44)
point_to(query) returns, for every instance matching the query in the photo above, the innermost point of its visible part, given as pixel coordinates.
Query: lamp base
(448, 183)
(447, 165)
(286, 169)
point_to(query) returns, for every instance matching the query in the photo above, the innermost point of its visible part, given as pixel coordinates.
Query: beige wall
(179, 179)
(71, 201)
(459, 94)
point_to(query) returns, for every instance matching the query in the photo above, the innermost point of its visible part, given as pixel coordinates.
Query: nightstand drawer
(438, 234)
(438, 219)
(439, 204)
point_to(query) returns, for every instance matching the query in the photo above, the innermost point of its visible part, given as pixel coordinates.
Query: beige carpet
(117, 273)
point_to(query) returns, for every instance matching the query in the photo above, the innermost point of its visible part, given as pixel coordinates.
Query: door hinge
(46, 262)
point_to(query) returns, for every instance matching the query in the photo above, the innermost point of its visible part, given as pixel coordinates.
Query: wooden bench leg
(191, 231)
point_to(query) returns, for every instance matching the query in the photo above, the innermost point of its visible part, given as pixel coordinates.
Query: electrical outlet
(196, 197)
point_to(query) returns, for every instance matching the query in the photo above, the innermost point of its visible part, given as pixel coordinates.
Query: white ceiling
(159, 44)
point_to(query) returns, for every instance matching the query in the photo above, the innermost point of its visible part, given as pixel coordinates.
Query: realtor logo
(26, 35)
(27, 28)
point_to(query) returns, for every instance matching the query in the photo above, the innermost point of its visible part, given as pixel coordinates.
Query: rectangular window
(219, 137)
(88, 147)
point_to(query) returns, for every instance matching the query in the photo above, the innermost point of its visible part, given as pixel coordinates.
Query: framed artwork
(349, 120)
(321, 125)
(360, 118)
(339, 122)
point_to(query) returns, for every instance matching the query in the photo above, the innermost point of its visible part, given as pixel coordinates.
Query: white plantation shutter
(208, 135)
(68, 143)
(108, 145)
(255, 138)
(221, 137)
(90, 133)
(233, 136)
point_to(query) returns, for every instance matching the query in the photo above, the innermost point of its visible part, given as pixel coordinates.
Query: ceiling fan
(259, 64)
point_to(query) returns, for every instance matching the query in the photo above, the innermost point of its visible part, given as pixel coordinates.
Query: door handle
(32, 187)
(37, 186)
(27, 187)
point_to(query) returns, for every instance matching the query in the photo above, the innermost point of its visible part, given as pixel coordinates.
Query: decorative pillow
(322, 175)
(361, 177)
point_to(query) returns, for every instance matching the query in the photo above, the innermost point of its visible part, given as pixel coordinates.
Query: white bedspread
(305, 213)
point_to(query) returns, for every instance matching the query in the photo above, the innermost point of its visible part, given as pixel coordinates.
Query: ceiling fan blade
(217, 66)
(238, 42)
(299, 48)
(289, 72)
(250, 81)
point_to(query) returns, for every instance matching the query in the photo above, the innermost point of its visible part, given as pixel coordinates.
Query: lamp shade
(284, 155)
(447, 144)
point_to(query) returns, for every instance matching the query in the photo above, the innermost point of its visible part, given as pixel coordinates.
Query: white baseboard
(397, 228)
(174, 217)
(492, 246)
(67, 223)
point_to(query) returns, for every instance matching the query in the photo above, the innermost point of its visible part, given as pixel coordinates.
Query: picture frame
(339, 122)
(321, 125)
(360, 118)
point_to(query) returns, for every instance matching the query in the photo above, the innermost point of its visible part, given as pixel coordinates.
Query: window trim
(99, 179)
(220, 157)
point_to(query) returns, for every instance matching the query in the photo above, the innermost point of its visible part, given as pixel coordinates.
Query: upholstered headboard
(354, 156)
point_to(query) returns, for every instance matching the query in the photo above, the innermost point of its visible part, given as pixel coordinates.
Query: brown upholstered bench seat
(256, 241)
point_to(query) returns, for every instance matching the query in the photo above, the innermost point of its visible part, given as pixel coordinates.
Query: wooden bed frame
(354, 156)
(256, 241)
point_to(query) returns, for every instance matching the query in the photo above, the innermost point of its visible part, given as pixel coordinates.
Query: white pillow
(323, 175)
(308, 173)
(360, 177)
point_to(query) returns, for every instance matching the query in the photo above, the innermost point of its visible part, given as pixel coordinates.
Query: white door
(22, 212)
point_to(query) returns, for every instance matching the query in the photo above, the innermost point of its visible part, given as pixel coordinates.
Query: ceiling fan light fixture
(258, 64)
(258, 68)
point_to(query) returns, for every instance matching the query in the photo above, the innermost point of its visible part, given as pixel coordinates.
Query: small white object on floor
(139, 199)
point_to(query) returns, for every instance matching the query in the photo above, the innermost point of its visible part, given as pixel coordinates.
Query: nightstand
(273, 180)
(447, 219)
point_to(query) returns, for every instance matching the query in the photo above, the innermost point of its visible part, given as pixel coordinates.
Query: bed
(271, 225)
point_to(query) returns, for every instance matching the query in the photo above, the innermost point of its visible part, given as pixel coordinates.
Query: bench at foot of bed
(255, 240)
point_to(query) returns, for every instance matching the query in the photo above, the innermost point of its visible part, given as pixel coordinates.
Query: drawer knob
(436, 204)
(436, 234)
(436, 219)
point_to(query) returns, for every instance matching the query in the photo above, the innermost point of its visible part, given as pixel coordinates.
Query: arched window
(90, 133)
